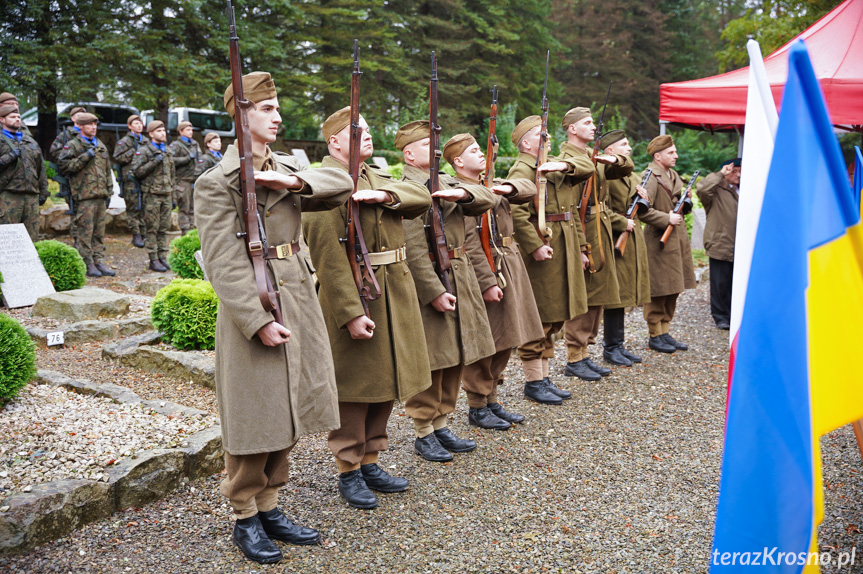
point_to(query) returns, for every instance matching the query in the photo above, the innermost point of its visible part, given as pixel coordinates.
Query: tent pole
(662, 125)
(739, 141)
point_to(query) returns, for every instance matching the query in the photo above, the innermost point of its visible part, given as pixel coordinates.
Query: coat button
(281, 282)
(303, 280)
(267, 214)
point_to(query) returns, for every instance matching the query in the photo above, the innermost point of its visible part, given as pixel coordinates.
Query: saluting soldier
(213, 154)
(556, 265)
(671, 269)
(601, 284)
(153, 166)
(189, 163)
(380, 357)
(274, 383)
(633, 276)
(23, 183)
(509, 303)
(455, 324)
(124, 153)
(86, 162)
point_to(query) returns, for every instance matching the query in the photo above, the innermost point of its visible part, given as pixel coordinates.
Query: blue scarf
(13, 135)
(158, 146)
(88, 140)
(139, 137)
(218, 154)
(185, 139)
(77, 129)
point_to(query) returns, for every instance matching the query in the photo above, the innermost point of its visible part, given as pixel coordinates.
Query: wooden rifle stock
(592, 186)
(678, 209)
(541, 198)
(633, 210)
(488, 222)
(436, 233)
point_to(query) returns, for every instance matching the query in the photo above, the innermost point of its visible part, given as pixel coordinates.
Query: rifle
(639, 205)
(488, 222)
(65, 189)
(256, 242)
(355, 242)
(120, 183)
(591, 183)
(435, 233)
(541, 198)
(683, 206)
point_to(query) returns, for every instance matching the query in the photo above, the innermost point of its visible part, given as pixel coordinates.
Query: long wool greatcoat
(454, 337)
(671, 269)
(514, 320)
(558, 283)
(633, 276)
(393, 364)
(268, 396)
(720, 201)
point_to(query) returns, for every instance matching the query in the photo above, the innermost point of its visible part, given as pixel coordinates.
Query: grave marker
(24, 277)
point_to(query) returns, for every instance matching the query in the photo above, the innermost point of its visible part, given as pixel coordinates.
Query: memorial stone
(699, 220)
(381, 162)
(24, 277)
(301, 156)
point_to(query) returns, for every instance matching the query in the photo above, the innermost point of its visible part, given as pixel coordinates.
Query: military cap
(154, 125)
(77, 110)
(412, 132)
(86, 118)
(183, 125)
(6, 96)
(735, 161)
(257, 87)
(659, 143)
(132, 118)
(7, 109)
(611, 137)
(574, 115)
(525, 126)
(336, 123)
(209, 137)
(456, 146)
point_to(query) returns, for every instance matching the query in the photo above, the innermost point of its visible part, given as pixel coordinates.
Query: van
(112, 117)
(204, 121)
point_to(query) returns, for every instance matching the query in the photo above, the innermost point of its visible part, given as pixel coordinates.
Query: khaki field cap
(78, 110)
(154, 125)
(336, 123)
(658, 144)
(85, 118)
(132, 118)
(456, 146)
(412, 132)
(5, 96)
(209, 137)
(612, 136)
(525, 126)
(574, 115)
(257, 87)
(8, 109)
(183, 125)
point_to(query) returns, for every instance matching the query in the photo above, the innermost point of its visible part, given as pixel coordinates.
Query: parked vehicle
(112, 117)
(204, 121)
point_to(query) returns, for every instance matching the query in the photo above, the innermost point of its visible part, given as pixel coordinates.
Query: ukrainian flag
(803, 309)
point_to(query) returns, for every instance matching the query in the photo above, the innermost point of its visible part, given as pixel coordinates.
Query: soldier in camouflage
(189, 162)
(6, 99)
(214, 150)
(154, 167)
(65, 136)
(23, 183)
(124, 153)
(86, 163)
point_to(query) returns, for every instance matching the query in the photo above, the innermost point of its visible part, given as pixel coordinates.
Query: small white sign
(55, 338)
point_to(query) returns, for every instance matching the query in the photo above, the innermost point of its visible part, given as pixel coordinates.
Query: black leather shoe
(581, 370)
(164, 263)
(452, 443)
(93, 271)
(658, 344)
(555, 390)
(601, 371)
(631, 356)
(676, 344)
(615, 357)
(504, 414)
(278, 527)
(156, 265)
(249, 536)
(377, 479)
(105, 270)
(138, 240)
(536, 391)
(355, 491)
(723, 325)
(430, 449)
(485, 419)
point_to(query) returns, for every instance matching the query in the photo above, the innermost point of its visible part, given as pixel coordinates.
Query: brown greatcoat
(720, 201)
(633, 277)
(393, 364)
(268, 396)
(461, 336)
(558, 284)
(514, 320)
(671, 269)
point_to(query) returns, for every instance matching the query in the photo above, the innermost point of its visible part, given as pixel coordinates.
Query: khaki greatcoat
(720, 202)
(268, 396)
(633, 276)
(393, 364)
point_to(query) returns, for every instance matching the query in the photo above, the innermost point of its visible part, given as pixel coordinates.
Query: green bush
(185, 311)
(181, 258)
(18, 359)
(63, 264)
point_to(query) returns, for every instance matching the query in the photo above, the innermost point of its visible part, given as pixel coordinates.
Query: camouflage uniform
(22, 179)
(189, 162)
(211, 160)
(65, 136)
(87, 165)
(124, 153)
(157, 180)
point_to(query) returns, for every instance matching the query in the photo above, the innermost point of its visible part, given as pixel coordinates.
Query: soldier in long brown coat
(555, 266)
(274, 383)
(671, 270)
(633, 276)
(509, 303)
(381, 357)
(455, 324)
(601, 280)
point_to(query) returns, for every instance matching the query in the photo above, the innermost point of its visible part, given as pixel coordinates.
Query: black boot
(658, 343)
(485, 419)
(676, 344)
(536, 391)
(105, 270)
(615, 356)
(377, 479)
(430, 449)
(581, 370)
(138, 240)
(164, 262)
(504, 414)
(278, 527)
(452, 443)
(601, 371)
(156, 265)
(354, 490)
(629, 355)
(555, 390)
(613, 321)
(249, 536)
(93, 271)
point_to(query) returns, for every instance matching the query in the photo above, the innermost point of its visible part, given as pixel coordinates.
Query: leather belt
(591, 209)
(504, 242)
(387, 257)
(565, 216)
(283, 251)
(456, 253)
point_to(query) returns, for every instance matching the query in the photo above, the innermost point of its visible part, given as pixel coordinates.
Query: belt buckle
(284, 251)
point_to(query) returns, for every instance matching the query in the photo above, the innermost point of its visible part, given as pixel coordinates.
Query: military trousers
(480, 379)
(90, 229)
(21, 208)
(581, 332)
(721, 279)
(659, 312)
(254, 480)
(157, 221)
(429, 408)
(184, 195)
(134, 216)
(362, 434)
(541, 348)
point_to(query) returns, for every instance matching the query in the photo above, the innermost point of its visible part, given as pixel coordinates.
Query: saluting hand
(372, 196)
(444, 302)
(505, 189)
(455, 194)
(551, 166)
(272, 334)
(493, 294)
(544, 253)
(606, 159)
(361, 327)
(275, 180)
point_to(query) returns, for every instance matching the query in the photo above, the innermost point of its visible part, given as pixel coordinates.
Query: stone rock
(124, 346)
(204, 455)
(116, 220)
(699, 220)
(186, 366)
(702, 274)
(54, 221)
(152, 287)
(129, 327)
(146, 477)
(85, 331)
(82, 304)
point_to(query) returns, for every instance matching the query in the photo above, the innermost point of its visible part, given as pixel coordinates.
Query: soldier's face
(159, 135)
(667, 158)
(12, 122)
(734, 177)
(621, 147)
(187, 131)
(264, 121)
(583, 129)
(215, 144)
(472, 159)
(137, 126)
(417, 153)
(89, 130)
(531, 138)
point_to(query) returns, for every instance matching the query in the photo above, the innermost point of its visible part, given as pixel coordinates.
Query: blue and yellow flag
(858, 177)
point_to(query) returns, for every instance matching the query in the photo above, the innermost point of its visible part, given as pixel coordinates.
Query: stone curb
(53, 509)
(137, 352)
(88, 331)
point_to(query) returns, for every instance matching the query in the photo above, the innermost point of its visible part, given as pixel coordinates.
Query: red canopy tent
(835, 44)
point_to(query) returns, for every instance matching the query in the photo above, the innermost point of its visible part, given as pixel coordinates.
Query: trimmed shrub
(63, 264)
(181, 258)
(18, 359)
(185, 311)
